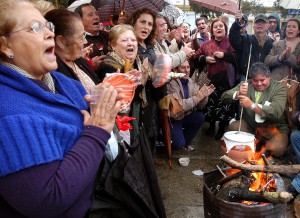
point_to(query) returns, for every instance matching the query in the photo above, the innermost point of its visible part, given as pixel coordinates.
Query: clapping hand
(106, 109)
(207, 90)
(285, 53)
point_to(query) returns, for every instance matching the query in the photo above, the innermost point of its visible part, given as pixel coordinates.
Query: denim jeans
(295, 139)
(183, 131)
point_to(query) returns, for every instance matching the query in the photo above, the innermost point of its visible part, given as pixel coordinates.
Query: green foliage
(252, 7)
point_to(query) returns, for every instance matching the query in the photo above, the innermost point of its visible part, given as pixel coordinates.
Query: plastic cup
(95, 94)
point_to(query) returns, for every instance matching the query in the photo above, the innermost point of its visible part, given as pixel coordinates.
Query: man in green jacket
(263, 100)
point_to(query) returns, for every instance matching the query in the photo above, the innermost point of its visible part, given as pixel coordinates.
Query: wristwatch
(253, 105)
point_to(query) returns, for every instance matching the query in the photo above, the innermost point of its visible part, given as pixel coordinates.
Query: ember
(215, 206)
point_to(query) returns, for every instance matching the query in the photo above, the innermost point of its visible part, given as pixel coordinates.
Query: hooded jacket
(275, 15)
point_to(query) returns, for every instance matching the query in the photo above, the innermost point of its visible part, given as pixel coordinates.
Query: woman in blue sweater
(50, 146)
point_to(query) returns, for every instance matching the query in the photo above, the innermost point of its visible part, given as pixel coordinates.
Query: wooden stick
(231, 177)
(241, 116)
(237, 194)
(265, 159)
(223, 174)
(281, 169)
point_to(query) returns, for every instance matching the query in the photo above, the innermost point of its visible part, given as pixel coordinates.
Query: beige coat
(192, 102)
(177, 58)
(281, 70)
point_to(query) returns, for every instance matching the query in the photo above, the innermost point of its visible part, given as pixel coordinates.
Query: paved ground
(181, 189)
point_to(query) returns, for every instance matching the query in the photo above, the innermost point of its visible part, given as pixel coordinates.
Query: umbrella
(112, 7)
(290, 4)
(77, 3)
(225, 6)
(171, 12)
(128, 186)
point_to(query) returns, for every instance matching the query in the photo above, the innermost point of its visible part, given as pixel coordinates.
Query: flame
(260, 181)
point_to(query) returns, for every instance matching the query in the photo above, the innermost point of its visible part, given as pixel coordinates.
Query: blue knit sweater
(37, 126)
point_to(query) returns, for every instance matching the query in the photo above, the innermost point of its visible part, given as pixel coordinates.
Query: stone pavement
(181, 189)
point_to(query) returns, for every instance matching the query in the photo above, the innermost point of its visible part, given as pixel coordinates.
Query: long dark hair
(284, 29)
(136, 14)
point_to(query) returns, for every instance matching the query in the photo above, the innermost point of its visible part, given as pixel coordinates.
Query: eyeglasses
(37, 27)
(82, 37)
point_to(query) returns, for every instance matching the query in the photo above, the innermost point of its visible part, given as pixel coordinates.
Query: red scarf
(211, 46)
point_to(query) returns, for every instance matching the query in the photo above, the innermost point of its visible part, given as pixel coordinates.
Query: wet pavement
(181, 188)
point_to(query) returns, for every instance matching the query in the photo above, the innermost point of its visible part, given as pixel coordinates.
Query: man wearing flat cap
(261, 42)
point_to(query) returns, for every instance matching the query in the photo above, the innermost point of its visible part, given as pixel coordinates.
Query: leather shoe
(159, 162)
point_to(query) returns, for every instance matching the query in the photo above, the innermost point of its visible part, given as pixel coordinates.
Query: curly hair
(136, 14)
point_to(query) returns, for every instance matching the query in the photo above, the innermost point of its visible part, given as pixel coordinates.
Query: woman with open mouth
(285, 54)
(69, 42)
(123, 43)
(50, 145)
(218, 55)
(124, 60)
(143, 22)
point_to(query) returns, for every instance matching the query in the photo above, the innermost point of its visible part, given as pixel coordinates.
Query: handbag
(175, 108)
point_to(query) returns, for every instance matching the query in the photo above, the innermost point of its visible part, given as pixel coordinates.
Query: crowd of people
(56, 154)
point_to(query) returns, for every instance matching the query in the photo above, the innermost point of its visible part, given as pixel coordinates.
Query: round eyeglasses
(37, 27)
(82, 37)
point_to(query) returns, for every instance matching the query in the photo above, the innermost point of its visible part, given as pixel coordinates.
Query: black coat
(69, 72)
(241, 44)
(128, 187)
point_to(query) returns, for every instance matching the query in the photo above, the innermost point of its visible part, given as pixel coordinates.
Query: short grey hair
(259, 68)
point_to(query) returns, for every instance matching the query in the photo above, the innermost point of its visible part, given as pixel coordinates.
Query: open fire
(258, 181)
(216, 207)
(250, 187)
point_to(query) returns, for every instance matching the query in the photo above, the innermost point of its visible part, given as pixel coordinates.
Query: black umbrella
(128, 187)
(106, 8)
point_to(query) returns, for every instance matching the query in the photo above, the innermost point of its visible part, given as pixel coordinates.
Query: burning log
(236, 194)
(281, 169)
(228, 178)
